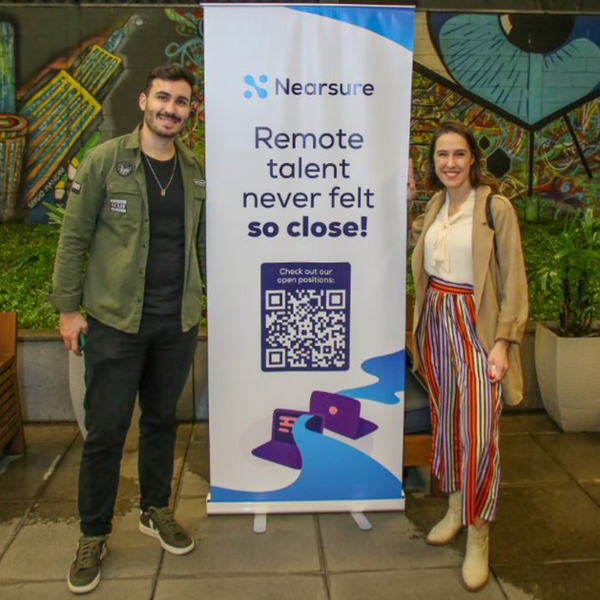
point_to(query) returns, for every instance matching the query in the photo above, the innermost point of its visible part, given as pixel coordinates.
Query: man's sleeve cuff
(65, 303)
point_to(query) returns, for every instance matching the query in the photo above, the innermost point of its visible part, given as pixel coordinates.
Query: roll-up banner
(307, 138)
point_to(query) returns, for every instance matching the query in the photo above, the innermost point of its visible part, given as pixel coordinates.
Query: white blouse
(449, 244)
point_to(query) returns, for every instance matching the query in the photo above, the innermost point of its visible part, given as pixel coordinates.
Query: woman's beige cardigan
(500, 284)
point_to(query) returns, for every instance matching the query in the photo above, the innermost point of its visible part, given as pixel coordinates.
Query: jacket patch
(75, 187)
(118, 205)
(124, 168)
(200, 182)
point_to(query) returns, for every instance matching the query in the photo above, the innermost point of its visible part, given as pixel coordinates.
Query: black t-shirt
(166, 259)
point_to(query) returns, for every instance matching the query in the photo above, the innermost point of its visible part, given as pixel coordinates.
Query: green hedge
(537, 248)
(27, 256)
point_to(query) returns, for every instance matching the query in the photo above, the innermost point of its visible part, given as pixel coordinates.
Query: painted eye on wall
(530, 67)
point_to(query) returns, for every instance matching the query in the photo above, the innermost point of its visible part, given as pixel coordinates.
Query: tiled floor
(545, 544)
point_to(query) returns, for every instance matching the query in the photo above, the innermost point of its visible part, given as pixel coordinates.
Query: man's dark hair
(170, 72)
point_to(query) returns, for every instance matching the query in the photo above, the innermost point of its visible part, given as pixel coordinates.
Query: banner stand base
(361, 520)
(260, 523)
(313, 506)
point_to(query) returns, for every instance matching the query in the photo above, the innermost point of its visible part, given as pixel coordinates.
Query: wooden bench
(12, 440)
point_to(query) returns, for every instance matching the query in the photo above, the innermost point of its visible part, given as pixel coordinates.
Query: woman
(470, 315)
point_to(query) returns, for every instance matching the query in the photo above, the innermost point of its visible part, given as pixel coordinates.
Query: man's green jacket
(104, 243)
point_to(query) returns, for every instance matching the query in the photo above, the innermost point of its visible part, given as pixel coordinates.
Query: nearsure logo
(288, 87)
(260, 91)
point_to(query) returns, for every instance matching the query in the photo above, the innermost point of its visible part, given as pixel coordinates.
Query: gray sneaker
(161, 524)
(85, 572)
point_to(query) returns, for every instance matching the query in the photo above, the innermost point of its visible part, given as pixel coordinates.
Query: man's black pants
(154, 362)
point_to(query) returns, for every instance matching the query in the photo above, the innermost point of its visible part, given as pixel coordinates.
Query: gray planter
(52, 386)
(568, 373)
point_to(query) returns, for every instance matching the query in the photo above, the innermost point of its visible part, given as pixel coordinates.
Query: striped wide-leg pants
(465, 405)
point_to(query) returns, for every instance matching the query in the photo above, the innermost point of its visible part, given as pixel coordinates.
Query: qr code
(305, 316)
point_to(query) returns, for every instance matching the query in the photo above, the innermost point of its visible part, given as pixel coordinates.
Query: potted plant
(567, 352)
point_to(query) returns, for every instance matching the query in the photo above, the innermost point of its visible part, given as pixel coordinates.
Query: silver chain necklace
(163, 190)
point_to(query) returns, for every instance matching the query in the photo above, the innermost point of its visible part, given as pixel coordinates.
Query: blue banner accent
(389, 370)
(394, 23)
(331, 470)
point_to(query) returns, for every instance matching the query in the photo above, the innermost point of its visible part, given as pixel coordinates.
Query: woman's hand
(498, 361)
(411, 186)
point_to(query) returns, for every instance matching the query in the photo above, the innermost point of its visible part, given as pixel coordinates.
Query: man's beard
(150, 122)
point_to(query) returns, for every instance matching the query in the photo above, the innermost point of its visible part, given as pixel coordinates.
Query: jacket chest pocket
(123, 204)
(199, 196)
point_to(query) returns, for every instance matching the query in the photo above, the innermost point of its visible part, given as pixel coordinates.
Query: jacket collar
(183, 152)
(483, 236)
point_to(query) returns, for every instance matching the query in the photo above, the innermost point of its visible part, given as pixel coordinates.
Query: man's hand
(498, 361)
(71, 325)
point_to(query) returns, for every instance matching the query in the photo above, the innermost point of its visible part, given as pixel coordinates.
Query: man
(129, 255)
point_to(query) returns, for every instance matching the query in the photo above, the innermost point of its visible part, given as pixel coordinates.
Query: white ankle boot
(445, 531)
(476, 566)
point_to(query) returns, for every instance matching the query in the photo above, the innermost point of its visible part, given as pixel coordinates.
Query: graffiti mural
(529, 86)
(63, 106)
(68, 105)
(13, 129)
(62, 111)
(190, 54)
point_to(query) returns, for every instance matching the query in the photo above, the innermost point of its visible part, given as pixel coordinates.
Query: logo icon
(124, 168)
(261, 92)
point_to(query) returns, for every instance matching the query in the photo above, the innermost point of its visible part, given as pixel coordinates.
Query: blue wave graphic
(394, 23)
(331, 470)
(390, 371)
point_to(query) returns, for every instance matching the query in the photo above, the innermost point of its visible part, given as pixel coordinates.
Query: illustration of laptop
(282, 448)
(341, 414)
